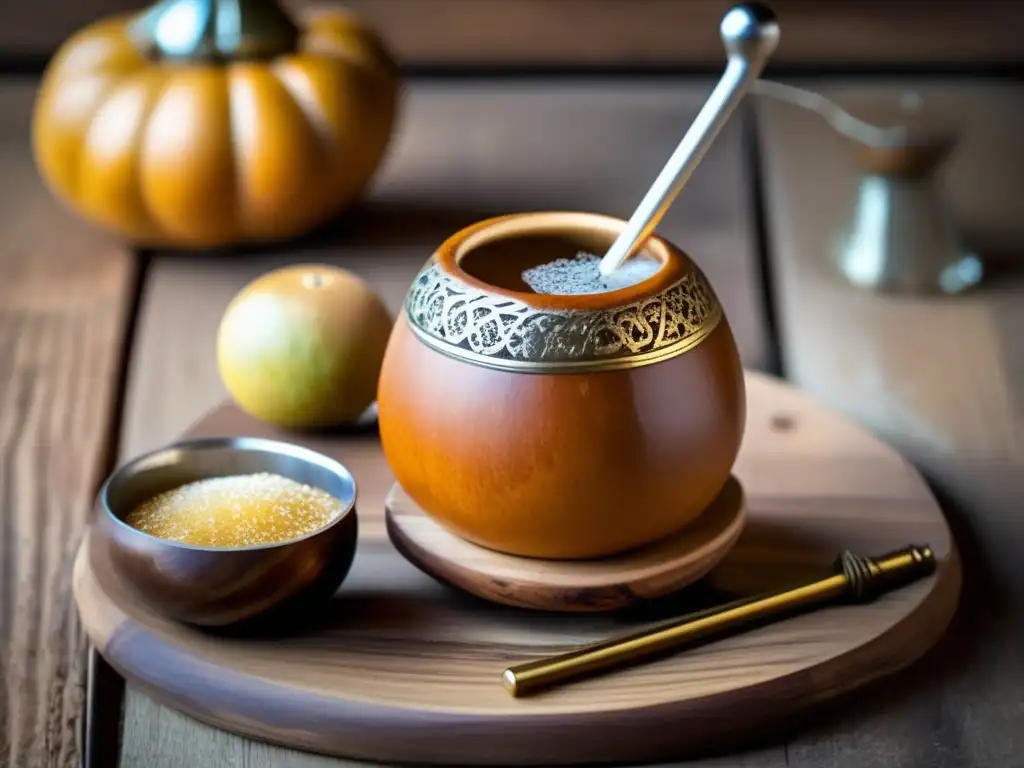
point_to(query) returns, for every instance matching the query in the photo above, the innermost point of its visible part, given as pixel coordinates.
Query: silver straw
(750, 34)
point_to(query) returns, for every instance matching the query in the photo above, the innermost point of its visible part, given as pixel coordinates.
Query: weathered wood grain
(464, 151)
(64, 292)
(608, 33)
(940, 379)
(397, 659)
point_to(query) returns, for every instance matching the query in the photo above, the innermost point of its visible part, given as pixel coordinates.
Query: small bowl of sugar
(219, 531)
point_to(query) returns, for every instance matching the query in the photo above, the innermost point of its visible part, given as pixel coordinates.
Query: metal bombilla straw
(750, 34)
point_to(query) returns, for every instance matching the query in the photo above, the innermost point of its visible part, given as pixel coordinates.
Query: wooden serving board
(402, 668)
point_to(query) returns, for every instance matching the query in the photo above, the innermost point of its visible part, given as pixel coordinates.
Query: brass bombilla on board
(857, 579)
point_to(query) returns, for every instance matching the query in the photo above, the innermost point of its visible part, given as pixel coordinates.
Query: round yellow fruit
(302, 346)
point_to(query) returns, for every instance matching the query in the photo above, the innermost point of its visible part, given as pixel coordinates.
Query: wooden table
(105, 352)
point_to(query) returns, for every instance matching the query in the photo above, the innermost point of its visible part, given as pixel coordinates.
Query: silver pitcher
(899, 235)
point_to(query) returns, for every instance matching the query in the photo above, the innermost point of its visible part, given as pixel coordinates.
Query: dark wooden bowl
(219, 586)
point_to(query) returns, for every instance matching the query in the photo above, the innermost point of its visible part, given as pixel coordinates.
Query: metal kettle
(899, 235)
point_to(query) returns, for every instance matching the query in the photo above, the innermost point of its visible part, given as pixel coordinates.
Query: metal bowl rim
(240, 444)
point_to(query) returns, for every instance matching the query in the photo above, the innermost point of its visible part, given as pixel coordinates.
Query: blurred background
(820, 35)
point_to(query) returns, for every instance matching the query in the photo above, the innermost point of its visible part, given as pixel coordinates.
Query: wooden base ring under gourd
(568, 585)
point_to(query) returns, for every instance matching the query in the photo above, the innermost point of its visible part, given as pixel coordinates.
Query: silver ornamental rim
(495, 331)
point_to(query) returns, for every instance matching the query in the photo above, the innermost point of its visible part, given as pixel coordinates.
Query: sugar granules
(582, 275)
(236, 511)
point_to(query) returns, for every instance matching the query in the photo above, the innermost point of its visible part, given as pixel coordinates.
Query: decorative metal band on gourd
(500, 332)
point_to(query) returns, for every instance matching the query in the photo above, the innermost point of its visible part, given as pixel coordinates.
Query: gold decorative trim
(500, 332)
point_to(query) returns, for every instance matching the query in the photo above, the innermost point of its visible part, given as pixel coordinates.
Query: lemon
(302, 346)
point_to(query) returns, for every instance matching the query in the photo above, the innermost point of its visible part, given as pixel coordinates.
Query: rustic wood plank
(64, 294)
(607, 33)
(102, 733)
(940, 379)
(465, 151)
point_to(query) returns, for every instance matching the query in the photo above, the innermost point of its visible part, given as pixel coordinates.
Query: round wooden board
(596, 585)
(401, 668)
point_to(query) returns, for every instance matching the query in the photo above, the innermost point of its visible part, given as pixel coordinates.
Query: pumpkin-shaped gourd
(205, 123)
